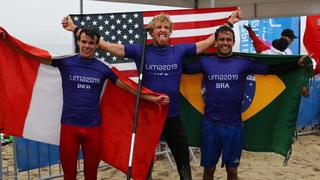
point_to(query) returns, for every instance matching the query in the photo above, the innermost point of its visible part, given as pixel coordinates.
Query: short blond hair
(162, 17)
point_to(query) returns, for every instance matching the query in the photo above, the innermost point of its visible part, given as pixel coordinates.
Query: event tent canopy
(250, 8)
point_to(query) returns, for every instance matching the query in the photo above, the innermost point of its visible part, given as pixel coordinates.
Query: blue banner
(32, 154)
(309, 112)
(268, 30)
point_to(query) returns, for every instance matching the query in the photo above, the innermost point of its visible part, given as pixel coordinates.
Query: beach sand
(304, 164)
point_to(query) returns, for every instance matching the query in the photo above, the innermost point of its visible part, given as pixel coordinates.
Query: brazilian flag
(269, 110)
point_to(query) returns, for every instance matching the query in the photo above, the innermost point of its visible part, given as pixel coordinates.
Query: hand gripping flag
(31, 106)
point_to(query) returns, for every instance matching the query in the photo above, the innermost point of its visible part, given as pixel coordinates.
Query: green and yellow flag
(270, 106)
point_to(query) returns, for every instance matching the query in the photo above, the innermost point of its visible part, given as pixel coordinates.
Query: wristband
(76, 29)
(229, 24)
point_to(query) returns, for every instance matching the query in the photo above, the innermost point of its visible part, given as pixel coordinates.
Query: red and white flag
(31, 107)
(311, 39)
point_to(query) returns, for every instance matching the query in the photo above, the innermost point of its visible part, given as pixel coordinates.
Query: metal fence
(40, 160)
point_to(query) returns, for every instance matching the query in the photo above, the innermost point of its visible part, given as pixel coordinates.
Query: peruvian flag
(31, 107)
(311, 39)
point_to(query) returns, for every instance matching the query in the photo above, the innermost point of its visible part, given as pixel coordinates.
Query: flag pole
(136, 110)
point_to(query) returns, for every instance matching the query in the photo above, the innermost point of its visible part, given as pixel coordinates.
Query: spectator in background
(278, 45)
(289, 35)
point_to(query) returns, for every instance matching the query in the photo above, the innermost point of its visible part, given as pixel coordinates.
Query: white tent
(250, 8)
(38, 22)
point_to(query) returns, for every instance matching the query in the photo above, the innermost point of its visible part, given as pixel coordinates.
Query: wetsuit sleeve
(282, 68)
(192, 68)
(132, 50)
(191, 49)
(112, 76)
(257, 68)
(56, 62)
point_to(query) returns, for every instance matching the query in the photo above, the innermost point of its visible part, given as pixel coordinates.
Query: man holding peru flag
(83, 77)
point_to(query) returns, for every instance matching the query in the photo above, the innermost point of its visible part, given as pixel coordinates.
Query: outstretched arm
(258, 44)
(113, 48)
(161, 99)
(285, 67)
(207, 43)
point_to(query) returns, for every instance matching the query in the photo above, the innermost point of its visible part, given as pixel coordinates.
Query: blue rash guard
(224, 79)
(163, 68)
(82, 83)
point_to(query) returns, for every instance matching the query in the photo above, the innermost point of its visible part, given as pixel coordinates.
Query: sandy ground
(304, 164)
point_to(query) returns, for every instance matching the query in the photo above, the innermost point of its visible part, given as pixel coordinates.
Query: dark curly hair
(224, 28)
(280, 44)
(91, 33)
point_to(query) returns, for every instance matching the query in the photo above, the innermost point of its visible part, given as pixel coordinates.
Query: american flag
(126, 28)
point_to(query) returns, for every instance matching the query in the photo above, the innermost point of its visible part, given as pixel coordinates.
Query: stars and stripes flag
(189, 26)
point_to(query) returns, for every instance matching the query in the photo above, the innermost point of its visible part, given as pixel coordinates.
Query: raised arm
(161, 99)
(114, 48)
(258, 44)
(207, 43)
